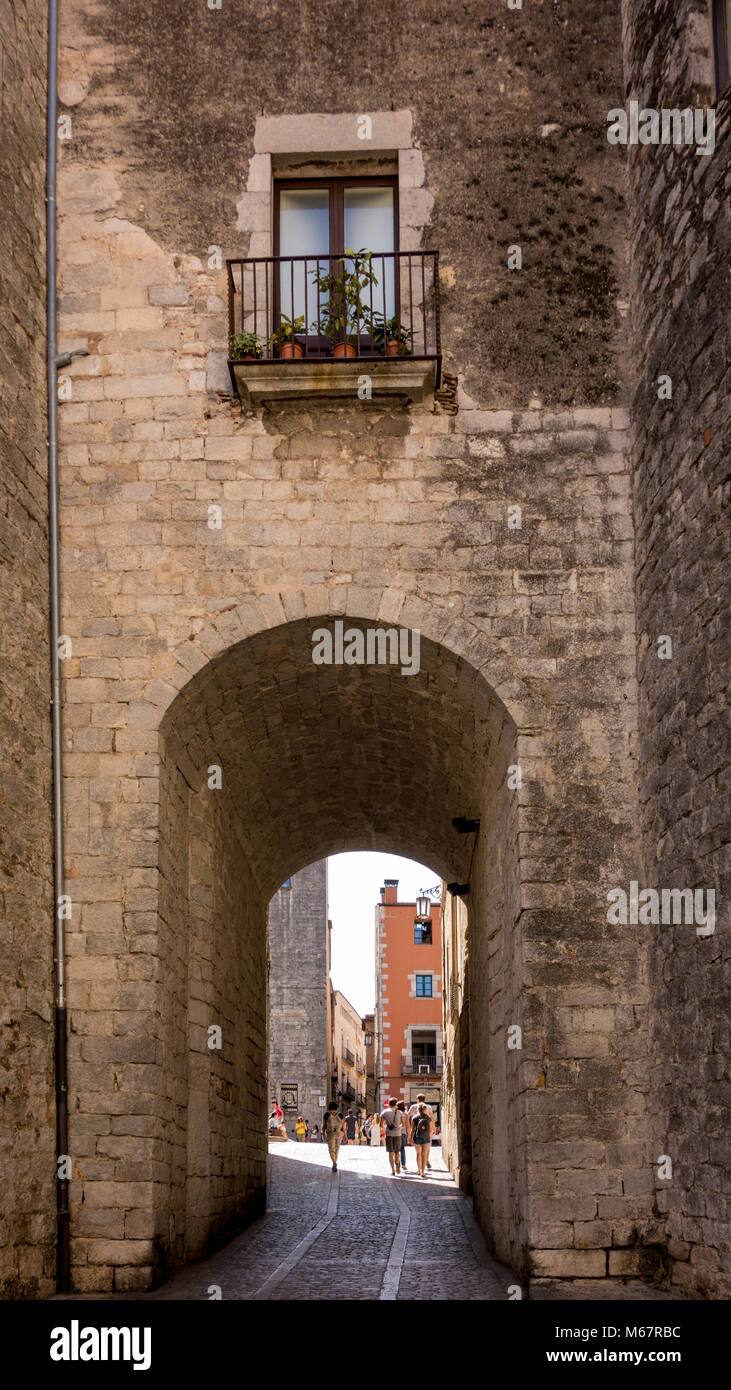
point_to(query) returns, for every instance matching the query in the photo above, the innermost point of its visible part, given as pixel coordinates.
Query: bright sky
(354, 882)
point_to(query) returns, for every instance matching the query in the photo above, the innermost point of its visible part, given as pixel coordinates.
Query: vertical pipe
(62, 1184)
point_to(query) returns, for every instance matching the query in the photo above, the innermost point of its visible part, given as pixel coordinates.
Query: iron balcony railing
(280, 311)
(415, 1066)
(348, 1057)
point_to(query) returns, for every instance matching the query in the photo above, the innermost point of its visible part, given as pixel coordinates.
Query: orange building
(409, 1051)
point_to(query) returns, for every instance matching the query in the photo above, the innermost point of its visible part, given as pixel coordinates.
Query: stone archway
(264, 761)
(267, 762)
(313, 760)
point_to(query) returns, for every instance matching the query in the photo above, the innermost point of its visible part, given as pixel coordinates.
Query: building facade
(542, 521)
(369, 1043)
(409, 973)
(456, 1117)
(299, 996)
(348, 1075)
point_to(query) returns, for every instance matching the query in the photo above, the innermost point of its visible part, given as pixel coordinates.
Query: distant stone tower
(299, 969)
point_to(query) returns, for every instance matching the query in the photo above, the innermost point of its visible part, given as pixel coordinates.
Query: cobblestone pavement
(357, 1234)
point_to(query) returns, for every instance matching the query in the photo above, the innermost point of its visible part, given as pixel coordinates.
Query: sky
(354, 882)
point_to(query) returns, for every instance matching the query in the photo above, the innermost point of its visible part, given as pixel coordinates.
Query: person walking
(315, 1134)
(334, 1129)
(414, 1110)
(300, 1130)
(405, 1133)
(375, 1135)
(421, 1132)
(352, 1128)
(394, 1121)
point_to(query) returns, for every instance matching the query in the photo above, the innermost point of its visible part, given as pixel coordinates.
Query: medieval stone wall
(192, 641)
(680, 450)
(27, 1125)
(509, 110)
(299, 983)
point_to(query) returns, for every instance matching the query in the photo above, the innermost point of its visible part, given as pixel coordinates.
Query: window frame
(418, 975)
(336, 188)
(336, 185)
(422, 927)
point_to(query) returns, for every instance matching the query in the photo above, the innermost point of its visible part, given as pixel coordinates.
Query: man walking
(414, 1110)
(405, 1133)
(352, 1128)
(334, 1128)
(394, 1121)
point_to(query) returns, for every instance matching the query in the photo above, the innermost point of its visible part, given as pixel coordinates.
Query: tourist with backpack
(334, 1131)
(414, 1110)
(421, 1132)
(394, 1122)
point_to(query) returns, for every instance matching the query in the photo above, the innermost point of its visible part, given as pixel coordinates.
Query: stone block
(174, 295)
(569, 1264)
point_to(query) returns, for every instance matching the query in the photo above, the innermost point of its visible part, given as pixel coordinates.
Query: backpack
(332, 1122)
(421, 1129)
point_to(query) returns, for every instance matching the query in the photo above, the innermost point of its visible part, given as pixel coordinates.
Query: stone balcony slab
(260, 382)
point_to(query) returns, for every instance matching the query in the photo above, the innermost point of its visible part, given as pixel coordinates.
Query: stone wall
(299, 982)
(509, 111)
(503, 535)
(167, 1125)
(680, 447)
(27, 1126)
(456, 1118)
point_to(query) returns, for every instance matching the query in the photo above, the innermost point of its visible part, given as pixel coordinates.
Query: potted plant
(245, 347)
(391, 336)
(343, 315)
(286, 338)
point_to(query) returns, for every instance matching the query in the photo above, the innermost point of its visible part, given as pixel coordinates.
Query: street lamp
(423, 908)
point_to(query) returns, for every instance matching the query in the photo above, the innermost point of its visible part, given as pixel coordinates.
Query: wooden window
(316, 218)
(324, 216)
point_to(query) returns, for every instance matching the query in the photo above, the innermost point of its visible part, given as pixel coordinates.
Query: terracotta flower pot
(344, 350)
(291, 350)
(246, 357)
(392, 347)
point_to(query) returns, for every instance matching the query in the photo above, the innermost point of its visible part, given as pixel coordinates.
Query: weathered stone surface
(680, 447)
(192, 643)
(27, 1138)
(299, 993)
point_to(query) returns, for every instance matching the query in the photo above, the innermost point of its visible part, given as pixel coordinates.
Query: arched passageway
(265, 761)
(270, 761)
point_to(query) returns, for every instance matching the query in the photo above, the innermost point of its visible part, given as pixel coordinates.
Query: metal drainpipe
(59, 945)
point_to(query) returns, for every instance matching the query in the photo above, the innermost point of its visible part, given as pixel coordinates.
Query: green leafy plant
(245, 345)
(344, 314)
(391, 331)
(289, 329)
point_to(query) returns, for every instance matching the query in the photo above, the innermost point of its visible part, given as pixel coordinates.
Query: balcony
(316, 326)
(415, 1066)
(348, 1057)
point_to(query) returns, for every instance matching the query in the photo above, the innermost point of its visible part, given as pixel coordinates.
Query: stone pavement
(360, 1234)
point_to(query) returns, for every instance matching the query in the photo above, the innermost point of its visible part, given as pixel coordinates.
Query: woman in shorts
(421, 1128)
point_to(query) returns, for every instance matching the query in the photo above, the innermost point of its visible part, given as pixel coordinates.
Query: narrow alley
(357, 1234)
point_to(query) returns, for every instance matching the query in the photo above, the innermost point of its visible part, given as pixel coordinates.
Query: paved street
(360, 1234)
